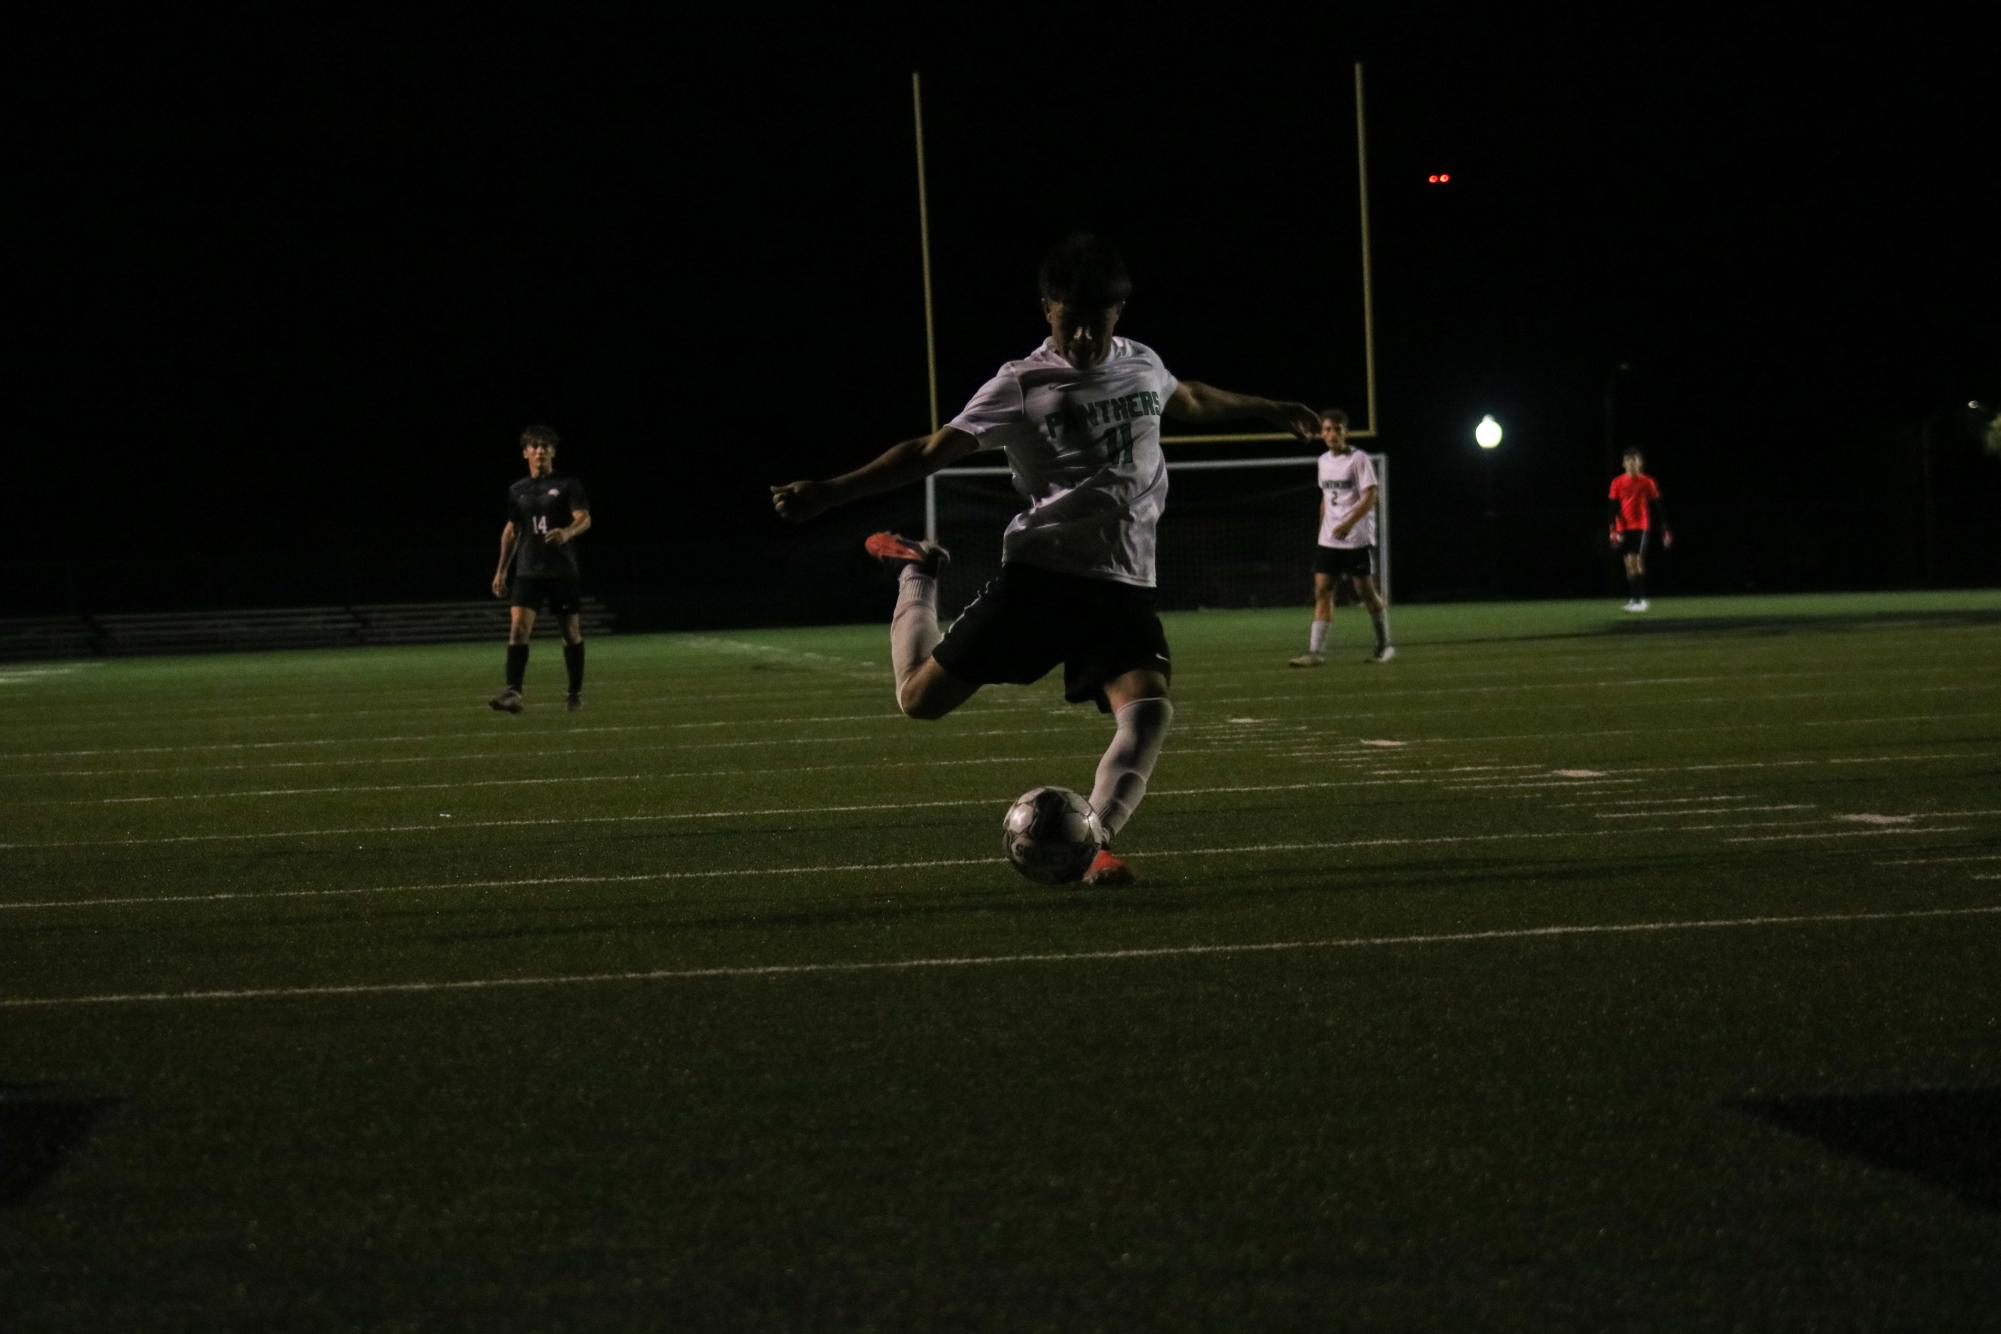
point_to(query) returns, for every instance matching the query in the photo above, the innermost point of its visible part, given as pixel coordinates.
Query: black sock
(517, 665)
(1639, 588)
(1632, 587)
(573, 658)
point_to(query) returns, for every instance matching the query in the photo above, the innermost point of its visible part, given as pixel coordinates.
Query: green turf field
(1576, 970)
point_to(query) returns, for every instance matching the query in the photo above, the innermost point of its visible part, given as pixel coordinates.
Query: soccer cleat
(507, 701)
(574, 703)
(1383, 654)
(1108, 870)
(1637, 604)
(1308, 660)
(891, 548)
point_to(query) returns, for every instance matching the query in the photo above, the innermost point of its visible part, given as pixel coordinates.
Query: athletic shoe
(1308, 660)
(508, 701)
(574, 703)
(1383, 654)
(1108, 870)
(1631, 605)
(1637, 605)
(891, 548)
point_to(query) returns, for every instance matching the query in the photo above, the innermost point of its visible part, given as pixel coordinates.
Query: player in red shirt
(1636, 512)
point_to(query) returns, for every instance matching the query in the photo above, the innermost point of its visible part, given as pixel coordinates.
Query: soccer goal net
(1236, 532)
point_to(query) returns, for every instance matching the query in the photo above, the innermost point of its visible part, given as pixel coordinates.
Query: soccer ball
(1051, 834)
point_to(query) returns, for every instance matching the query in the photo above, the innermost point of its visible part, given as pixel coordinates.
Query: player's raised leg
(924, 690)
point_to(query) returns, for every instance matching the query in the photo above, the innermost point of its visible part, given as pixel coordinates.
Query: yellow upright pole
(1368, 281)
(924, 245)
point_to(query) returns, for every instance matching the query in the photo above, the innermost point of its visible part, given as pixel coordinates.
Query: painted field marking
(737, 872)
(999, 803)
(1004, 702)
(1537, 933)
(1654, 801)
(1929, 861)
(1697, 812)
(1852, 833)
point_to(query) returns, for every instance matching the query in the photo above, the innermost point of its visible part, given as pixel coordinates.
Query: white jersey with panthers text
(1084, 448)
(1344, 479)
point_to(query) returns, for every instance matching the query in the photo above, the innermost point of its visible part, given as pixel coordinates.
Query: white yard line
(740, 872)
(1930, 861)
(1851, 833)
(840, 967)
(1652, 801)
(1004, 701)
(1676, 815)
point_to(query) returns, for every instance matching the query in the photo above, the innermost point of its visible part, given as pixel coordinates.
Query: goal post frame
(1366, 432)
(1381, 463)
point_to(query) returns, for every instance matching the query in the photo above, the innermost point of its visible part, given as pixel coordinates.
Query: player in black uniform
(546, 514)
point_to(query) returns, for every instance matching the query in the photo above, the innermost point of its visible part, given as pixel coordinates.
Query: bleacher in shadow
(128, 634)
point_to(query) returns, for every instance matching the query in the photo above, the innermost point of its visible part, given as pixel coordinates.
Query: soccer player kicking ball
(1347, 547)
(1079, 418)
(1636, 511)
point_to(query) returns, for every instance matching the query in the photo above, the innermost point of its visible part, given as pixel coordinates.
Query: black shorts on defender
(1027, 620)
(1345, 562)
(564, 594)
(1633, 542)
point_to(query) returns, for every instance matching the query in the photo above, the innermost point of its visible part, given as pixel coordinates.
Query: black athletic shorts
(1633, 542)
(563, 592)
(1027, 620)
(1345, 562)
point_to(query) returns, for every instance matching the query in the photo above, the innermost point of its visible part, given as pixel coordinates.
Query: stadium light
(1487, 434)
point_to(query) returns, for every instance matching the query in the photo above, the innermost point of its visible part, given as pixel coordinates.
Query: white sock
(1316, 642)
(913, 627)
(1129, 761)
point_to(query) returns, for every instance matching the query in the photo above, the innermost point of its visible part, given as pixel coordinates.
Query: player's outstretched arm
(899, 465)
(1193, 401)
(506, 554)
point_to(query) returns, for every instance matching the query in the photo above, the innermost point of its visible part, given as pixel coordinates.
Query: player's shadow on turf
(1941, 1136)
(40, 1129)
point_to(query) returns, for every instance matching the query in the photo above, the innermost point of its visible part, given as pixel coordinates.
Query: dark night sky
(283, 295)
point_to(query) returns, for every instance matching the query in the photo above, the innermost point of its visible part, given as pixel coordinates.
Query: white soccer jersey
(1084, 447)
(1343, 480)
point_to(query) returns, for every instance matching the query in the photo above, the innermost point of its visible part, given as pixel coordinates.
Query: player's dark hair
(1335, 415)
(1631, 452)
(546, 434)
(1085, 272)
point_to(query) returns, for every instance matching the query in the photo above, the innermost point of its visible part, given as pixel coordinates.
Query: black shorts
(1633, 542)
(563, 592)
(1345, 562)
(1026, 620)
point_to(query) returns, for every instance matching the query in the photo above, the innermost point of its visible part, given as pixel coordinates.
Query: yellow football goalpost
(1367, 431)
(1364, 432)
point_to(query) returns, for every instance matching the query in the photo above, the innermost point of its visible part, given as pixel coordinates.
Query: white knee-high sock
(1129, 761)
(913, 627)
(1316, 638)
